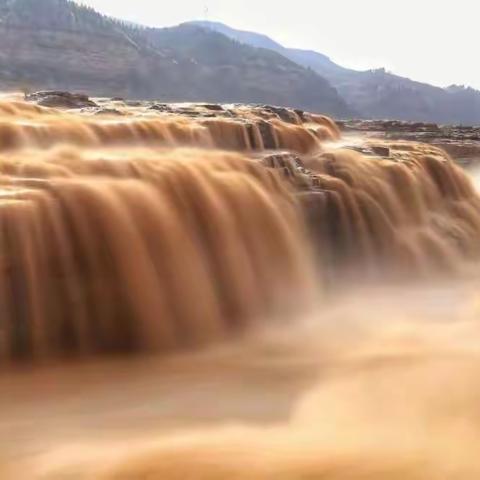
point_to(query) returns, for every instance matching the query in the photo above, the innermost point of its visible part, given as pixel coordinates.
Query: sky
(434, 41)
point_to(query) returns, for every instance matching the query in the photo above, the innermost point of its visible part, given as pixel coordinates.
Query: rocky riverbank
(462, 143)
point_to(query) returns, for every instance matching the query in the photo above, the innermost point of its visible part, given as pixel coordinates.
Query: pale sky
(435, 41)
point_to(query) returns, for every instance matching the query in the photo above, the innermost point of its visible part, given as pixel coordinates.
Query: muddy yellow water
(237, 297)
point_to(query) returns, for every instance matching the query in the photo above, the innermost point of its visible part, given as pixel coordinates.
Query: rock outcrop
(59, 99)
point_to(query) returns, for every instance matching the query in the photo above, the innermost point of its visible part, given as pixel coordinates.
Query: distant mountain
(307, 58)
(380, 94)
(375, 93)
(231, 71)
(62, 45)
